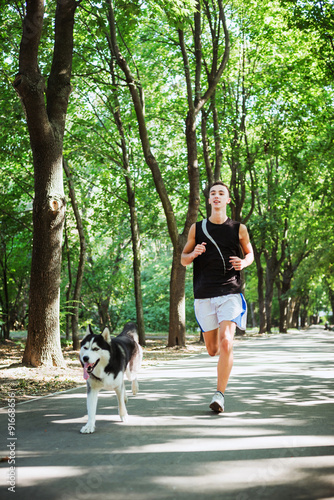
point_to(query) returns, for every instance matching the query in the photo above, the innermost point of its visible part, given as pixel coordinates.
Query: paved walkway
(275, 441)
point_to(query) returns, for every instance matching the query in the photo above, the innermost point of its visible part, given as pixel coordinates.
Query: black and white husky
(105, 360)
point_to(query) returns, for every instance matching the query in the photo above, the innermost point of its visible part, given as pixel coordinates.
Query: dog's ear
(106, 334)
(88, 332)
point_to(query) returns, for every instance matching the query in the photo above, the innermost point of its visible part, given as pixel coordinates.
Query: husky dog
(105, 361)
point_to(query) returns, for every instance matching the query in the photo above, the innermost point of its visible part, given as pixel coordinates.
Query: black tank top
(209, 277)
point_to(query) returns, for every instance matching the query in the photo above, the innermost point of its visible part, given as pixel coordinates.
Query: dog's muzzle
(88, 367)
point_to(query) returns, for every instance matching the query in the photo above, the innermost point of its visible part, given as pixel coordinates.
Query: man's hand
(237, 263)
(199, 249)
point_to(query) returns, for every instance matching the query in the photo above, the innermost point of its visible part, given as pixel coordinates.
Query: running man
(219, 304)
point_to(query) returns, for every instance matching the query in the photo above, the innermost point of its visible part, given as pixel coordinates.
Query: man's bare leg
(220, 342)
(225, 361)
(211, 342)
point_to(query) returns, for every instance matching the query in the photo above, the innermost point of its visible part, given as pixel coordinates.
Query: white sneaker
(217, 402)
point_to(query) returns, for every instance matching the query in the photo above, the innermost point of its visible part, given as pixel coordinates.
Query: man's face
(219, 196)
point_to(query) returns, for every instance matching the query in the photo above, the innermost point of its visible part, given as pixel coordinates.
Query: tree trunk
(4, 298)
(43, 342)
(253, 316)
(303, 310)
(103, 308)
(177, 319)
(206, 155)
(136, 262)
(330, 290)
(273, 265)
(260, 290)
(331, 298)
(131, 200)
(81, 263)
(293, 313)
(283, 312)
(69, 287)
(283, 299)
(45, 111)
(149, 157)
(270, 281)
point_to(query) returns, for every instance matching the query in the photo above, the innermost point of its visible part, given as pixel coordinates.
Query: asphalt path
(274, 441)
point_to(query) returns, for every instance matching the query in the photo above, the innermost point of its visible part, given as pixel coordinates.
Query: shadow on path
(275, 440)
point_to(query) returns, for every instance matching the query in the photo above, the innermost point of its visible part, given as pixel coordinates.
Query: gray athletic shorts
(210, 312)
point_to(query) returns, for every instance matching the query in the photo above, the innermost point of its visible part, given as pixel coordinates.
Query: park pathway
(275, 440)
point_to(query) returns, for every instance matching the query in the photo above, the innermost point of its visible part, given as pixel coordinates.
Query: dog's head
(94, 349)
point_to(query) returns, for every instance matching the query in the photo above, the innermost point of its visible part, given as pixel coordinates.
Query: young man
(219, 303)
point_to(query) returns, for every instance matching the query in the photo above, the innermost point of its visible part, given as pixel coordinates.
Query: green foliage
(16, 184)
(275, 124)
(317, 18)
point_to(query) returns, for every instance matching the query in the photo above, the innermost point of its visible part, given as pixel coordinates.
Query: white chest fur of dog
(105, 361)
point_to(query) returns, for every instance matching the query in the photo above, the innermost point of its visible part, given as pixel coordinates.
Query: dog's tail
(131, 329)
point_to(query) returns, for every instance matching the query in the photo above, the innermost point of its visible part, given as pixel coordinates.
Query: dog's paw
(125, 398)
(87, 429)
(124, 418)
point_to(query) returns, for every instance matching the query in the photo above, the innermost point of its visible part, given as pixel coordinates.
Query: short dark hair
(219, 183)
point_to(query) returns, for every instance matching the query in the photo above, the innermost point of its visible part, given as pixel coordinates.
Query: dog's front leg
(120, 392)
(92, 395)
(135, 387)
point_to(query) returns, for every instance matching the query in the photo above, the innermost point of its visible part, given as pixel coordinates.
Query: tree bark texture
(45, 108)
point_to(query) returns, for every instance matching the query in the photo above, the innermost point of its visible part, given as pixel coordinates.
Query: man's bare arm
(246, 246)
(191, 250)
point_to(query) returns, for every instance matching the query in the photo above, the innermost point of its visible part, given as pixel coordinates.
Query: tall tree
(131, 200)
(75, 299)
(196, 99)
(45, 107)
